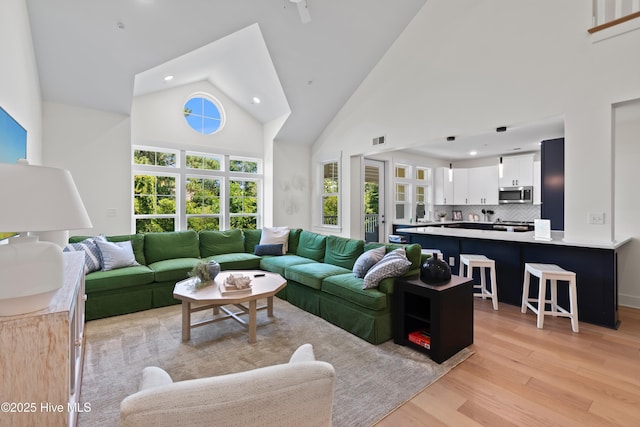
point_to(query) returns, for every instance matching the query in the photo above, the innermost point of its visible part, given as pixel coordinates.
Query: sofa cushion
(125, 277)
(173, 269)
(343, 252)
(276, 235)
(312, 274)
(312, 245)
(220, 242)
(394, 264)
(349, 288)
(251, 239)
(368, 260)
(278, 264)
(294, 240)
(171, 245)
(236, 261)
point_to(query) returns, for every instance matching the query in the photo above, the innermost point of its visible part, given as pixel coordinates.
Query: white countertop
(507, 236)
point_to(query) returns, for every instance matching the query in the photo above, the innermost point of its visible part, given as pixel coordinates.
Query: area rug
(371, 380)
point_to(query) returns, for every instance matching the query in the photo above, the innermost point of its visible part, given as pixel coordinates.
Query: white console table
(41, 355)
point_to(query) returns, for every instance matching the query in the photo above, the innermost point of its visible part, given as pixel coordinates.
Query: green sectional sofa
(318, 269)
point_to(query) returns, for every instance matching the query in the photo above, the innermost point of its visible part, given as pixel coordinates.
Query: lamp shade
(39, 198)
(34, 198)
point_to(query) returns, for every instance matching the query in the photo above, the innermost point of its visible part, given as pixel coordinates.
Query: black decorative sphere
(435, 271)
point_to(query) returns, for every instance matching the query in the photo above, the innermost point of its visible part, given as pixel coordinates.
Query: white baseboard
(629, 301)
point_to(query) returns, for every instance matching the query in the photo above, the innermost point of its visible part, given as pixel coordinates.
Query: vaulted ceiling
(100, 53)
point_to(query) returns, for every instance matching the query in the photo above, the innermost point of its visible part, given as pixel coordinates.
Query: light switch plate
(596, 217)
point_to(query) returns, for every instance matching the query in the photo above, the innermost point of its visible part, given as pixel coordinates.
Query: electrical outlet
(596, 217)
(452, 261)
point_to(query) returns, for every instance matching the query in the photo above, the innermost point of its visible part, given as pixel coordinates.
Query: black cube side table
(441, 315)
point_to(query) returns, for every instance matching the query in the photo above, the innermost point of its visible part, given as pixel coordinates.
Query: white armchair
(298, 393)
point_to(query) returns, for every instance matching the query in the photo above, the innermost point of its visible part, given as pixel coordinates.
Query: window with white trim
(330, 193)
(181, 190)
(402, 199)
(411, 187)
(204, 114)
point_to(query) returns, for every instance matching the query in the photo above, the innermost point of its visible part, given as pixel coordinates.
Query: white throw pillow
(394, 264)
(116, 255)
(275, 236)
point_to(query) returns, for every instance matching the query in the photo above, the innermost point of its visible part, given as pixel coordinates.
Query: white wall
(627, 203)
(291, 185)
(158, 119)
(466, 67)
(95, 147)
(19, 85)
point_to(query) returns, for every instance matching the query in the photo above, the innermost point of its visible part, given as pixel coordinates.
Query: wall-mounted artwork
(13, 145)
(13, 139)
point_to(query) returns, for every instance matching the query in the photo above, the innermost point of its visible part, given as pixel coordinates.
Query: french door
(374, 228)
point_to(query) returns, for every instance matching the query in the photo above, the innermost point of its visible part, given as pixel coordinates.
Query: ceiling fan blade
(303, 10)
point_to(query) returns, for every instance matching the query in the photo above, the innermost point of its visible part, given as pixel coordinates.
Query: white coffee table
(265, 286)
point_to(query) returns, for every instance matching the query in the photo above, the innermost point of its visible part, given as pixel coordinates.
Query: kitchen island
(595, 264)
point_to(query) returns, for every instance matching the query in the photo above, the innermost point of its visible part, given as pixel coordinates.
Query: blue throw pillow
(367, 260)
(92, 261)
(268, 249)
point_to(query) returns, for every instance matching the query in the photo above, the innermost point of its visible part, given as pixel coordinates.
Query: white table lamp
(34, 198)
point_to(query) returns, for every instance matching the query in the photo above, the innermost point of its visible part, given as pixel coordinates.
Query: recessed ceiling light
(473, 152)
(256, 100)
(168, 78)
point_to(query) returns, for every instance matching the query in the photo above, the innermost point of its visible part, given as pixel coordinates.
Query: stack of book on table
(421, 337)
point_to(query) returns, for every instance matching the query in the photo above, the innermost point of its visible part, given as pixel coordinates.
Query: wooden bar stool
(553, 273)
(468, 262)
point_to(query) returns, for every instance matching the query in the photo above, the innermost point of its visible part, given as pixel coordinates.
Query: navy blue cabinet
(552, 177)
(596, 269)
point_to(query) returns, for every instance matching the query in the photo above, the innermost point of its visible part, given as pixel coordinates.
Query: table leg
(270, 306)
(186, 321)
(253, 305)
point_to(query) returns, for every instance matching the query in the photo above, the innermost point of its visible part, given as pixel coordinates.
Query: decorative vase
(214, 269)
(435, 271)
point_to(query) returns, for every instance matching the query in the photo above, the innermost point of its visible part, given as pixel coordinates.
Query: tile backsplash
(515, 212)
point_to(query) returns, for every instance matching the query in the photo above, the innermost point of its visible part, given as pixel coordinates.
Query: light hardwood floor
(523, 376)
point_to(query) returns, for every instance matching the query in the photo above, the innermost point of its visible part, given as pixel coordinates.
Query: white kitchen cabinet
(443, 187)
(517, 171)
(483, 186)
(461, 186)
(537, 182)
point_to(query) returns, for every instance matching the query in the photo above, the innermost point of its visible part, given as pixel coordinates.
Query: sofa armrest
(301, 393)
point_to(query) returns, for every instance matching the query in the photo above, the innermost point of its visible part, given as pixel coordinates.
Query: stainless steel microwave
(508, 195)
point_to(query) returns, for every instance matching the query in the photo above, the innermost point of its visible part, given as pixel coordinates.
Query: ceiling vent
(378, 141)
